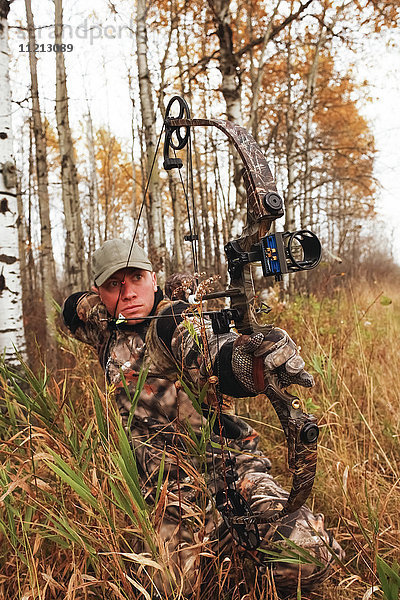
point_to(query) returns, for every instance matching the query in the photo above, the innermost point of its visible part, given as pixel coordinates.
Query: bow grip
(258, 373)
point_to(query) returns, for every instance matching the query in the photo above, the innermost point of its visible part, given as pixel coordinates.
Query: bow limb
(264, 205)
(301, 433)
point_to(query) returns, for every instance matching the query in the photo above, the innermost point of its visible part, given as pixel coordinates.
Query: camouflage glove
(90, 306)
(180, 286)
(280, 355)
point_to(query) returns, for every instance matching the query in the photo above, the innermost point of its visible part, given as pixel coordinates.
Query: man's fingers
(295, 364)
(266, 347)
(279, 354)
(279, 357)
(302, 378)
(305, 379)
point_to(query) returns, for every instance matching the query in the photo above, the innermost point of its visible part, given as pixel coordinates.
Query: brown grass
(350, 342)
(70, 512)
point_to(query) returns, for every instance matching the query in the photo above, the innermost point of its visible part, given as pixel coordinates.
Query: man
(180, 352)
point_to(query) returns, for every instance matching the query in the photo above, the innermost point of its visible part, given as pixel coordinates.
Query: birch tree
(93, 192)
(231, 86)
(231, 57)
(47, 259)
(155, 221)
(11, 323)
(74, 244)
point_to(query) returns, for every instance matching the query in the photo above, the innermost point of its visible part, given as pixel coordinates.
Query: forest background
(288, 72)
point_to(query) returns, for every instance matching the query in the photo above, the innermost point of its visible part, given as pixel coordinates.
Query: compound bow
(279, 253)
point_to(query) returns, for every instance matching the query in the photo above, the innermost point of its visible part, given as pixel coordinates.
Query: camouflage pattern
(164, 422)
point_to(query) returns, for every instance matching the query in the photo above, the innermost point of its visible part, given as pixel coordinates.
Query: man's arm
(69, 312)
(198, 353)
(195, 350)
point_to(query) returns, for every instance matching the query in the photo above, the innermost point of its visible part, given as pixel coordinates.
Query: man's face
(136, 299)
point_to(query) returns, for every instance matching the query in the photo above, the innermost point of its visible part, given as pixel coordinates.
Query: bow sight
(279, 253)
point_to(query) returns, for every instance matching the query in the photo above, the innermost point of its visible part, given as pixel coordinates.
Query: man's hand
(280, 356)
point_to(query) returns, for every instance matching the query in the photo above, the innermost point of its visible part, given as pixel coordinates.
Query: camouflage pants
(191, 531)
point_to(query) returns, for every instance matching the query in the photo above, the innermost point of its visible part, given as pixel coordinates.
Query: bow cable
(193, 236)
(138, 220)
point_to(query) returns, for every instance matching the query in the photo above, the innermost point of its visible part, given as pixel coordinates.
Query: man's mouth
(130, 308)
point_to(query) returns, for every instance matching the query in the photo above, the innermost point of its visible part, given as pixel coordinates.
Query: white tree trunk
(256, 83)
(11, 323)
(74, 248)
(94, 219)
(49, 281)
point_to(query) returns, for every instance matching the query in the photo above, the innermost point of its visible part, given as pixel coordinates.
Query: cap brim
(100, 279)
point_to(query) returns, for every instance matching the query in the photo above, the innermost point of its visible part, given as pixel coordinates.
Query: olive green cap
(113, 256)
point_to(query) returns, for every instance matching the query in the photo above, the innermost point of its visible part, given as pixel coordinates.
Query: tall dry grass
(350, 341)
(71, 505)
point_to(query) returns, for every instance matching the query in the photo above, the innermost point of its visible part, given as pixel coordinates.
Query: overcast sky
(98, 63)
(380, 64)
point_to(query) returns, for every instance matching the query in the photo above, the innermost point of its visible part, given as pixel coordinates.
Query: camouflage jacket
(177, 350)
(180, 346)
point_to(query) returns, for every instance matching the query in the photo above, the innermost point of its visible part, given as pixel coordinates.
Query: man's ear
(94, 288)
(154, 278)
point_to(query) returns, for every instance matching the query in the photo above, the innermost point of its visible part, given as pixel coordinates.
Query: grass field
(70, 498)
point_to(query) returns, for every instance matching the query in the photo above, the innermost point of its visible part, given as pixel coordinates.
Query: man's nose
(128, 290)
